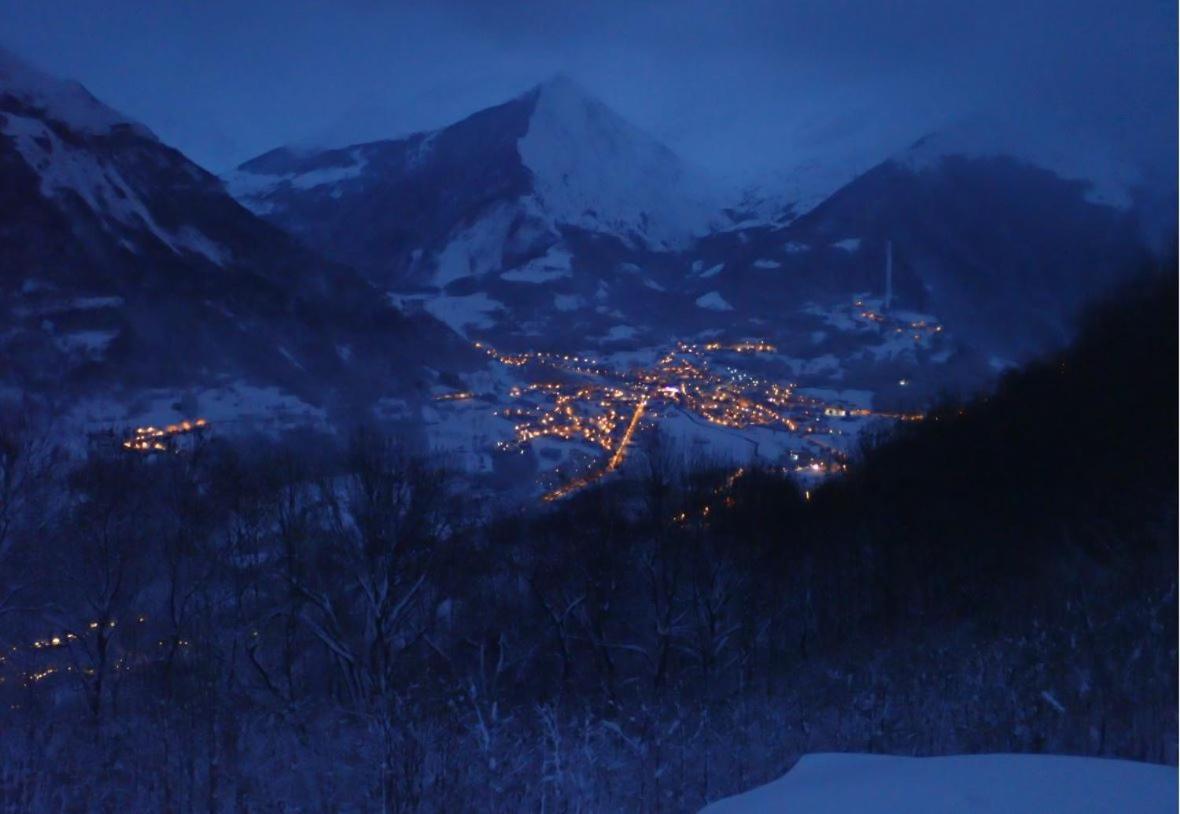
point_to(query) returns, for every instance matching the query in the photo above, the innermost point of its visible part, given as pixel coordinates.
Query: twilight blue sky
(739, 87)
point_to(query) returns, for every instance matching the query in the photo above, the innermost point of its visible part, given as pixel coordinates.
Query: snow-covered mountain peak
(593, 168)
(1062, 149)
(58, 99)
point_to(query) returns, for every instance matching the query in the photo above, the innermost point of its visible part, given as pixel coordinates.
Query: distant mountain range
(134, 287)
(343, 283)
(550, 220)
(504, 182)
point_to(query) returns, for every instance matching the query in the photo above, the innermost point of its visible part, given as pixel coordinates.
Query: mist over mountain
(551, 219)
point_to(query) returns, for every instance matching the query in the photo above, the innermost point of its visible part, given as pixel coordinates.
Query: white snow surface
(58, 99)
(714, 302)
(619, 332)
(555, 264)
(802, 187)
(66, 168)
(477, 249)
(235, 406)
(1070, 153)
(593, 169)
(697, 441)
(968, 784)
(833, 151)
(88, 343)
(94, 303)
(251, 188)
(460, 313)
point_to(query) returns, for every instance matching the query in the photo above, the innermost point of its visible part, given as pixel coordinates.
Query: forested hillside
(323, 626)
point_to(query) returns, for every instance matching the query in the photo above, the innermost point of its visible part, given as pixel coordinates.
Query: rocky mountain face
(494, 191)
(1005, 253)
(549, 222)
(127, 272)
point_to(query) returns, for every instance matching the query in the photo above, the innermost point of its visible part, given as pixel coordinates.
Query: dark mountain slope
(404, 195)
(500, 188)
(125, 266)
(1003, 252)
(1064, 480)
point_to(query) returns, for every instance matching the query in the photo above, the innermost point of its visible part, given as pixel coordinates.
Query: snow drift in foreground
(970, 784)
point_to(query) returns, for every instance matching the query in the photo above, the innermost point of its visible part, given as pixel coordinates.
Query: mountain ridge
(129, 271)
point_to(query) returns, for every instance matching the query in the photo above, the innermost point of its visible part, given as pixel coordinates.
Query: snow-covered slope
(1003, 251)
(509, 181)
(975, 784)
(1071, 150)
(549, 222)
(593, 169)
(1072, 156)
(58, 99)
(72, 171)
(129, 273)
(43, 115)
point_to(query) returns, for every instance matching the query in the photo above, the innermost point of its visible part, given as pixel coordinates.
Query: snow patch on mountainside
(251, 188)
(96, 303)
(58, 99)
(63, 168)
(196, 241)
(1068, 153)
(593, 169)
(839, 151)
(785, 195)
(233, 406)
(476, 250)
(67, 170)
(461, 313)
(619, 333)
(87, 343)
(970, 784)
(713, 302)
(555, 264)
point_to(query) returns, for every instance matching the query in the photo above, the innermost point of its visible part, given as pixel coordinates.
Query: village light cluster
(921, 329)
(607, 411)
(159, 439)
(58, 642)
